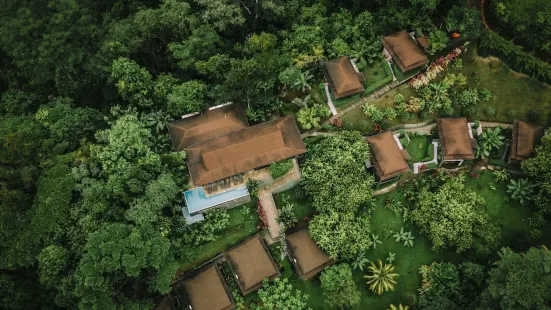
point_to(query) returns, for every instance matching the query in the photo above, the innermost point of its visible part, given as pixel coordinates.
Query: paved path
(329, 101)
(385, 190)
(266, 199)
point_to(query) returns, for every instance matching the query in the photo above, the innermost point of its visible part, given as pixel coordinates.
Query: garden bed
(420, 148)
(376, 76)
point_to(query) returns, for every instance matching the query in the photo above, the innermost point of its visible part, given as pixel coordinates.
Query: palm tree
(400, 307)
(521, 190)
(382, 278)
(302, 81)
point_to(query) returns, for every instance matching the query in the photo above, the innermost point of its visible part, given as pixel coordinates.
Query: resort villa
(251, 263)
(456, 139)
(403, 50)
(343, 77)
(525, 138)
(387, 156)
(305, 254)
(221, 150)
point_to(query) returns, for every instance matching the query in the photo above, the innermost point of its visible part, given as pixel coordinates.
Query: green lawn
(239, 228)
(420, 149)
(302, 206)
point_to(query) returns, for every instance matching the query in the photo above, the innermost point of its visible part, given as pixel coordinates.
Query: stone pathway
(329, 101)
(266, 199)
(433, 161)
(385, 190)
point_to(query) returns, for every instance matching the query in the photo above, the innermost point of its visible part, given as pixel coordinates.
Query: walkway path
(329, 101)
(433, 161)
(267, 202)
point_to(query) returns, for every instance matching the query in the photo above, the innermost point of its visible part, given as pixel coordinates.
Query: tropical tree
(490, 140)
(399, 307)
(157, 120)
(302, 83)
(539, 169)
(381, 278)
(438, 41)
(309, 118)
(521, 190)
(280, 295)
(339, 287)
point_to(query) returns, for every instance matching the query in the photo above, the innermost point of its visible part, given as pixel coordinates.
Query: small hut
(305, 254)
(251, 263)
(389, 159)
(343, 79)
(526, 137)
(456, 140)
(405, 52)
(207, 290)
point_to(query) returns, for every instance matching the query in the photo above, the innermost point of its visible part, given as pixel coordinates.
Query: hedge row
(514, 56)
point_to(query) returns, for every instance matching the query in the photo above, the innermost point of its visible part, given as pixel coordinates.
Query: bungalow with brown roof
(305, 254)
(404, 51)
(388, 156)
(456, 140)
(220, 148)
(526, 137)
(342, 77)
(251, 263)
(207, 290)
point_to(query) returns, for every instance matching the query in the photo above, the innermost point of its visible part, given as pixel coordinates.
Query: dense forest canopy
(90, 187)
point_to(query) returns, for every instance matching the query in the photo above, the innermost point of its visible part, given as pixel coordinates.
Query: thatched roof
(208, 125)
(454, 138)
(307, 257)
(206, 290)
(342, 78)
(243, 150)
(405, 52)
(252, 263)
(525, 138)
(388, 159)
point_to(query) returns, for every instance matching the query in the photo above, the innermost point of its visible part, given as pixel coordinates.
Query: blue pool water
(197, 201)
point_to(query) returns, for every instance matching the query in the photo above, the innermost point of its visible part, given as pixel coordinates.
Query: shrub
(438, 41)
(252, 187)
(457, 64)
(533, 115)
(339, 287)
(512, 113)
(279, 169)
(377, 116)
(485, 94)
(287, 216)
(490, 112)
(390, 113)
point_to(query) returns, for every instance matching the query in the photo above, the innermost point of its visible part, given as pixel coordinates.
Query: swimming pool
(197, 201)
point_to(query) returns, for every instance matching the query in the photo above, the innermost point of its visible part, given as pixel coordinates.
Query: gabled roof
(207, 291)
(454, 138)
(405, 52)
(525, 138)
(208, 125)
(308, 258)
(342, 77)
(388, 159)
(252, 263)
(243, 150)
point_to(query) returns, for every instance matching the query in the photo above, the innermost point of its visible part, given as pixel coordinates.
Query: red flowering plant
(475, 175)
(337, 122)
(262, 216)
(377, 127)
(437, 66)
(423, 167)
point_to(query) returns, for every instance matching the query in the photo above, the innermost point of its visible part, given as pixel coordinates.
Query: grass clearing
(420, 148)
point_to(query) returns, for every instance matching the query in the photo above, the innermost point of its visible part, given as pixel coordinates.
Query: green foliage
(134, 83)
(464, 20)
(18, 102)
(382, 82)
(519, 60)
(375, 240)
(186, 98)
(453, 215)
(302, 83)
(360, 261)
(521, 190)
(287, 216)
(51, 261)
(438, 41)
(533, 116)
(501, 175)
(339, 287)
(281, 168)
(520, 280)
(199, 46)
(341, 234)
(215, 221)
(406, 237)
(252, 187)
(381, 278)
(391, 257)
(390, 113)
(289, 76)
(309, 118)
(333, 173)
(489, 142)
(281, 295)
(457, 64)
(539, 169)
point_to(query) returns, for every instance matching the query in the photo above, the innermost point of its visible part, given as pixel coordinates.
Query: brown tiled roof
(454, 138)
(388, 159)
(342, 77)
(424, 41)
(405, 52)
(252, 263)
(208, 125)
(525, 138)
(243, 150)
(310, 259)
(166, 303)
(207, 291)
